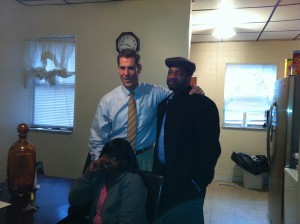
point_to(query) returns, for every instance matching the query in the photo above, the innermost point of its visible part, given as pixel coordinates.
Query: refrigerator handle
(270, 131)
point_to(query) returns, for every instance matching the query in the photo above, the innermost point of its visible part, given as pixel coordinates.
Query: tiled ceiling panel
(287, 12)
(42, 2)
(291, 25)
(59, 2)
(253, 20)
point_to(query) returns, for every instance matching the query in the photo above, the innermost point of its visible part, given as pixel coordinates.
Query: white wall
(211, 59)
(161, 25)
(13, 96)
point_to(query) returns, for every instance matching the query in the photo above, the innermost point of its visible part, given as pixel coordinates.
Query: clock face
(127, 40)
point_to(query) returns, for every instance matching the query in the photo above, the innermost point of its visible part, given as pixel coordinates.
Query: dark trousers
(189, 212)
(184, 206)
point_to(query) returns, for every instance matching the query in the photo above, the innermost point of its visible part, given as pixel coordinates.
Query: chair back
(153, 183)
(88, 160)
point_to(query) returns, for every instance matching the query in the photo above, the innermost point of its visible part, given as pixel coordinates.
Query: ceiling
(255, 20)
(59, 2)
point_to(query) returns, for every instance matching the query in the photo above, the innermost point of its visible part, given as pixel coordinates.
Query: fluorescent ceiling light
(224, 32)
(224, 27)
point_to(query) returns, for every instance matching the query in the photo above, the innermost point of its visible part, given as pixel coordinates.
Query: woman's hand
(94, 166)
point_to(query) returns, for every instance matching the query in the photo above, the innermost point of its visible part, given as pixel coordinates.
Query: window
(51, 70)
(248, 94)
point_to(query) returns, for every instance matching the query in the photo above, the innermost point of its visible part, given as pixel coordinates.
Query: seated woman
(112, 186)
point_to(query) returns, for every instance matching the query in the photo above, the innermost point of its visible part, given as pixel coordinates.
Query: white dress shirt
(110, 120)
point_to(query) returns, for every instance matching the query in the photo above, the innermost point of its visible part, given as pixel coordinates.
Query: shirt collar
(127, 92)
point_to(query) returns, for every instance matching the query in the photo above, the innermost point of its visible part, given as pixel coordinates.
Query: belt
(140, 151)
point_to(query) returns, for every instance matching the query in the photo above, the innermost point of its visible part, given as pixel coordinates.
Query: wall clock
(127, 40)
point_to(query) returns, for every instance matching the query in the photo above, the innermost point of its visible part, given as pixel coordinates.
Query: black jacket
(191, 142)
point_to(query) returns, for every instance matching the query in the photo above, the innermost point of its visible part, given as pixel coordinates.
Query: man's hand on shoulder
(196, 90)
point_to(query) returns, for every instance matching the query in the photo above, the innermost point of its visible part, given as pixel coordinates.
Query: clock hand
(128, 45)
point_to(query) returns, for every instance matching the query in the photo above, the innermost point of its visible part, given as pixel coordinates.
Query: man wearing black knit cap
(187, 146)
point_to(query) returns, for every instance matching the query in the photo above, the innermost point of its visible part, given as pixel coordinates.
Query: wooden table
(51, 197)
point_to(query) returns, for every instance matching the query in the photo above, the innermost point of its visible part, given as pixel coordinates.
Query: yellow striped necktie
(132, 122)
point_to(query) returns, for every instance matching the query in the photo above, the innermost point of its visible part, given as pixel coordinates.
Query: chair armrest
(76, 215)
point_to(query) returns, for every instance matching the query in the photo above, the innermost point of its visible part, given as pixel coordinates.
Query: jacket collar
(184, 93)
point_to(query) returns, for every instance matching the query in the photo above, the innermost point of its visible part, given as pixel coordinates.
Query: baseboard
(237, 178)
(228, 178)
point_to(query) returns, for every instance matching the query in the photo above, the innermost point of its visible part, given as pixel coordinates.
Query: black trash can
(253, 168)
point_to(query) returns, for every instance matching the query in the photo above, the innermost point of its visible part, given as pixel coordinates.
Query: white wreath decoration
(50, 76)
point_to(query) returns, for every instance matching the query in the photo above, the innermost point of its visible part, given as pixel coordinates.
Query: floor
(231, 203)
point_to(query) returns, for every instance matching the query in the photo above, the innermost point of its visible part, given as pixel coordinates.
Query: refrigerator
(283, 125)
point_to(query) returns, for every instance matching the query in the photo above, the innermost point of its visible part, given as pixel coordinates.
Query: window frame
(53, 127)
(243, 122)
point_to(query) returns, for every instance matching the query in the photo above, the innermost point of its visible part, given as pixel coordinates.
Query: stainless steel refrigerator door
(277, 152)
(293, 121)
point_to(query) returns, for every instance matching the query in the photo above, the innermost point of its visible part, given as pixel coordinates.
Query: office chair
(153, 182)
